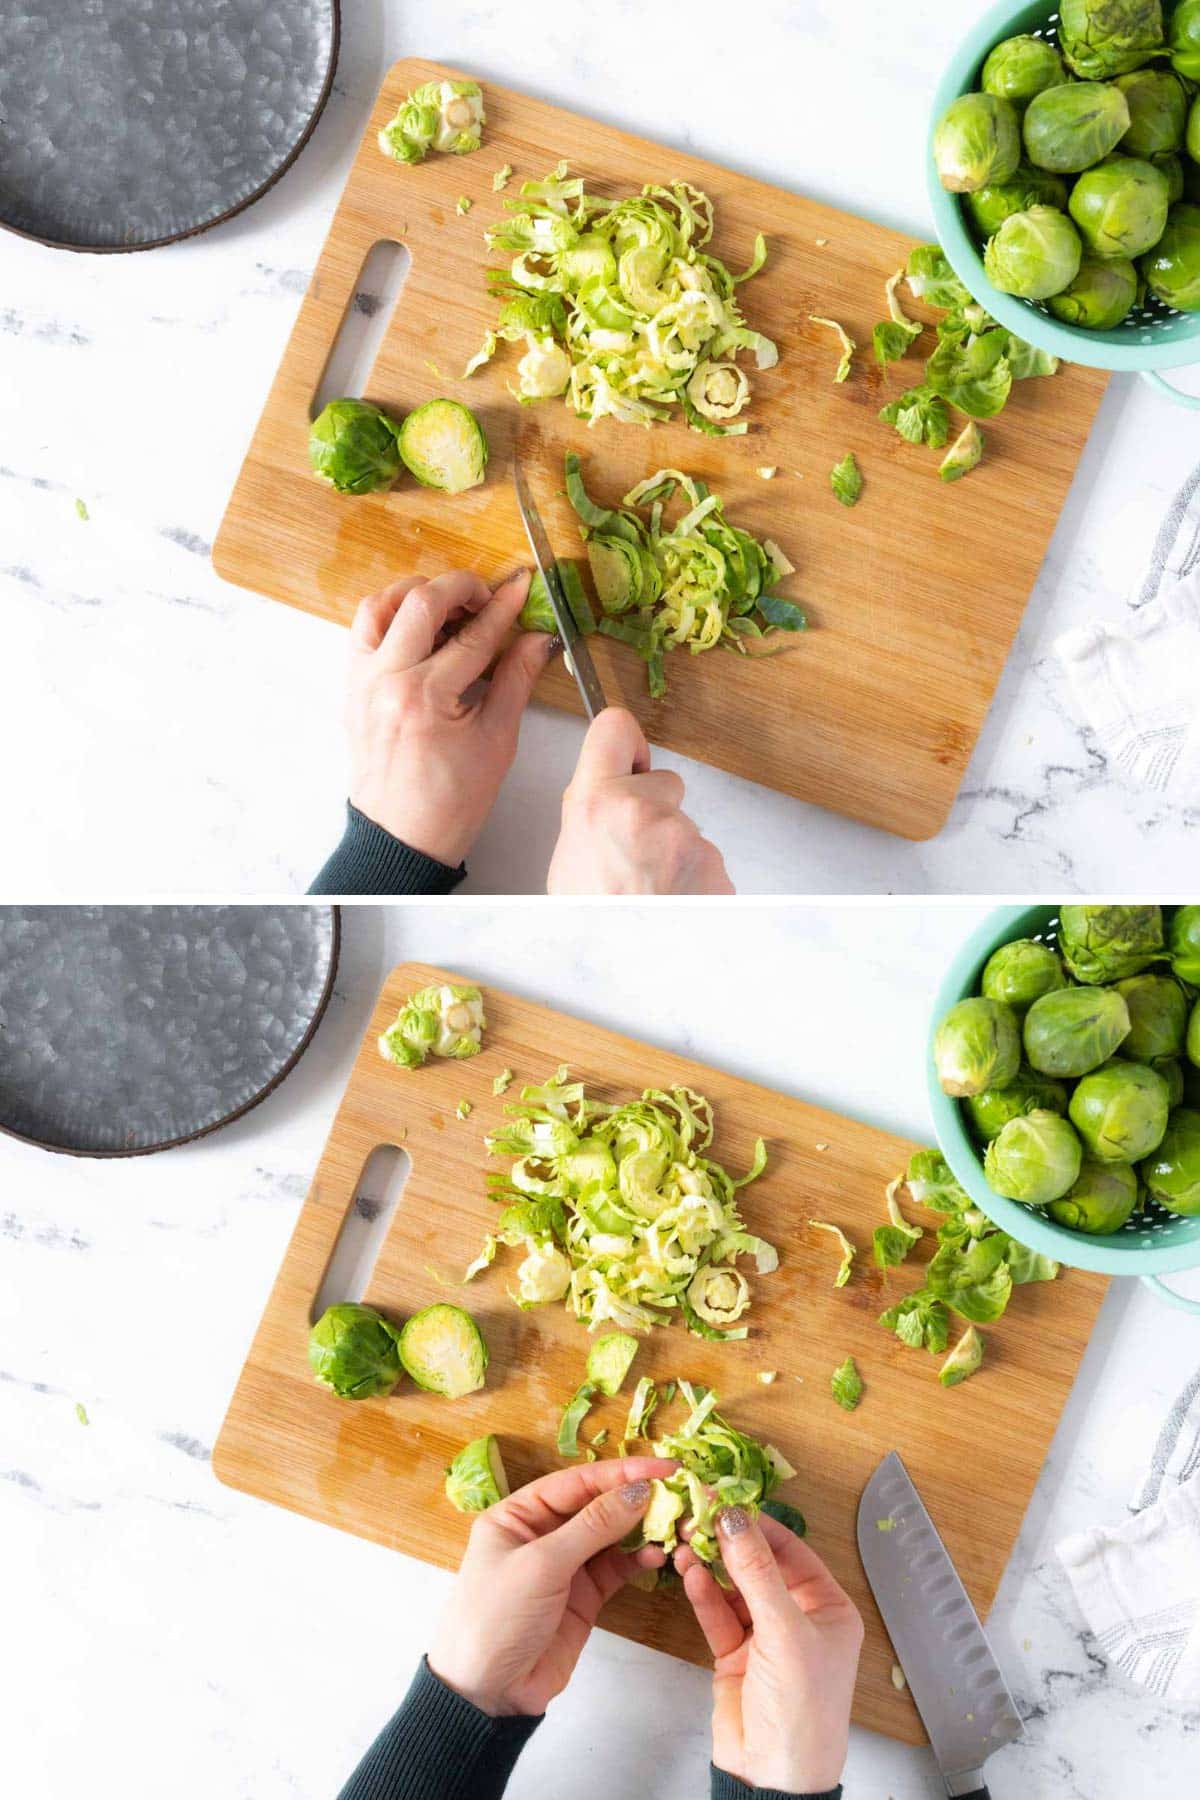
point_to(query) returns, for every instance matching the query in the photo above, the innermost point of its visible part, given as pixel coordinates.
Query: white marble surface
(164, 1635)
(176, 734)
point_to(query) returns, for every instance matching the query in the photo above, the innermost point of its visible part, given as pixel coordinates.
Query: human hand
(427, 754)
(623, 827)
(538, 1568)
(785, 1645)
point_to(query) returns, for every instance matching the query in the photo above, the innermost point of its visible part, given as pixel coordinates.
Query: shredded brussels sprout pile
(699, 582)
(621, 308)
(620, 1213)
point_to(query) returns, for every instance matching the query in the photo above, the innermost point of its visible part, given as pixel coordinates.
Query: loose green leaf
(920, 416)
(847, 343)
(892, 340)
(502, 1081)
(847, 1249)
(846, 480)
(846, 1385)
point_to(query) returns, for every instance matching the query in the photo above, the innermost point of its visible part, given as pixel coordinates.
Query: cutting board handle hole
(369, 1215)
(347, 371)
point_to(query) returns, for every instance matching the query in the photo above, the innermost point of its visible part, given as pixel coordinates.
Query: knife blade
(953, 1676)
(579, 657)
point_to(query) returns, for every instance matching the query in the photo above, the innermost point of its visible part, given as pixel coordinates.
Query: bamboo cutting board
(914, 596)
(375, 1467)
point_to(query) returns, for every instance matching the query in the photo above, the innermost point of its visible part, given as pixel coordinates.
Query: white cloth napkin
(1138, 1583)
(1135, 682)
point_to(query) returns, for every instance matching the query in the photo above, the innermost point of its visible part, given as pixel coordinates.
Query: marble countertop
(186, 735)
(167, 1635)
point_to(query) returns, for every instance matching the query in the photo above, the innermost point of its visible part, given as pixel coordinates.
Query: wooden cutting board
(375, 1467)
(914, 596)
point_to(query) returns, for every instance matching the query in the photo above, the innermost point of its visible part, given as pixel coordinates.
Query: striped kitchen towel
(1138, 1583)
(1134, 682)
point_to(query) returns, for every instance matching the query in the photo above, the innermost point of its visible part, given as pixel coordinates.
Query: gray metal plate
(128, 123)
(125, 1029)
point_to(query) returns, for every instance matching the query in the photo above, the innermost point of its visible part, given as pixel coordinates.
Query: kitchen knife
(947, 1661)
(579, 657)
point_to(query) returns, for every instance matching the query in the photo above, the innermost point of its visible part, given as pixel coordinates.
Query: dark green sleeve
(728, 1787)
(439, 1747)
(369, 860)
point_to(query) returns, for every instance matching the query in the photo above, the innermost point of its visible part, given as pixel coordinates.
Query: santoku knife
(578, 656)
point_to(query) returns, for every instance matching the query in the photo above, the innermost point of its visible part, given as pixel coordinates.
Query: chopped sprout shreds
(847, 342)
(81, 1413)
(898, 1681)
(695, 583)
(82, 511)
(720, 1467)
(846, 1385)
(484, 1260)
(895, 311)
(438, 1021)
(641, 1407)
(768, 1376)
(463, 205)
(848, 1250)
(464, 1109)
(620, 1212)
(502, 1082)
(769, 472)
(888, 1524)
(643, 318)
(846, 480)
(501, 178)
(440, 115)
(483, 355)
(573, 1415)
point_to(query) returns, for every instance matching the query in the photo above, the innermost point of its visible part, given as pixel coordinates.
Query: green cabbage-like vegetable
(846, 1385)
(1101, 38)
(353, 446)
(963, 1360)
(847, 1249)
(609, 1361)
(476, 1479)
(1172, 1173)
(1183, 39)
(991, 1110)
(1070, 128)
(1120, 206)
(999, 200)
(1183, 944)
(1101, 1199)
(964, 454)
(1072, 1032)
(1101, 295)
(443, 445)
(1158, 108)
(1021, 972)
(440, 115)
(442, 1348)
(977, 1046)
(1172, 267)
(1035, 253)
(628, 310)
(1107, 943)
(1158, 1014)
(621, 1205)
(977, 140)
(437, 1021)
(1019, 68)
(846, 480)
(353, 1352)
(1120, 1111)
(1036, 1157)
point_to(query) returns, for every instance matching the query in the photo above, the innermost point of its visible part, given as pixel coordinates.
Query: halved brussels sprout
(1183, 39)
(537, 614)
(476, 1479)
(1035, 1158)
(1020, 67)
(977, 1046)
(1120, 1111)
(1028, 1092)
(443, 445)
(1120, 206)
(1107, 943)
(1158, 106)
(1070, 128)
(1172, 268)
(609, 1361)
(443, 1350)
(1101, 295)
(1100, 1201)
(1183, 941)
(1034, 254)
(964, 454)
(352, 445)
(1100, 38)
(989, 206)
(1021, 972)
(1172, 1174)
(1158, 1013)
(966, 1355)
(1075, 1030)
(977, 140)
(353, 1352)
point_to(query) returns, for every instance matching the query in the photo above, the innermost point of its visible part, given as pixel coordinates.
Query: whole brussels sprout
(977, 140)
(977, 1046)
(1106, 943)
(1193, 1037)
(1074, 1031)
(1158, 1012)
(1034, 254)
(1036, 1158)
(1120, 1111)
(1172, 168)
(1101, 1199)
(1069, 128)
(1020, 67)
(989, 206)
(1183, 944)
(1183, 39)
(1121, 206)
(1172, 1174)
(352, 446)
(1100, 38)
(1021, 972)
(354, 1352)
(1192, 134)
(1027, 1092)
(1172, 268)
(1101, 295)
(1171, 1070)
(1157, 102)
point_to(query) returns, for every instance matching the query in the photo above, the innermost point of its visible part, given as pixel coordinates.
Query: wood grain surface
(914, 595)
(375, 1467)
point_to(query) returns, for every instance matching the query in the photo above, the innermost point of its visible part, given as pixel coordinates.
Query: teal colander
(1151, 1244)
(1153, 337)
